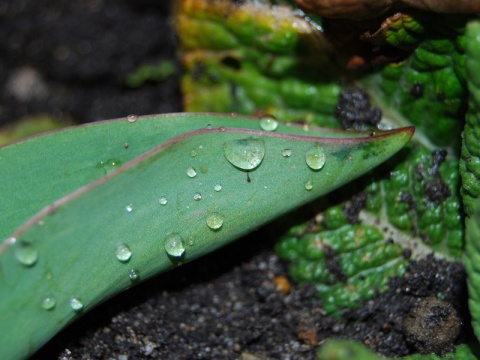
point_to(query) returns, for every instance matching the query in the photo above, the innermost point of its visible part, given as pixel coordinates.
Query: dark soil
(224, 305)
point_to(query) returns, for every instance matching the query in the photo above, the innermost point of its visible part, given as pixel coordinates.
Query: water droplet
(191, 172)
(200, 147)
(193, 153)
(132, 118)
(245, 154)
(286, 153)
(268, 124)
(215, 221)
(163, 200)
(197, 197)
(48, 303)
(191, 242)
(25, 253)
(209, 126)
(76, 304)
(315, 157)
(133, 275)
(126, 145)
(122, 252)
(173, 245)
(109, 165)
(309, 185)
(129, 208)
(217, 187)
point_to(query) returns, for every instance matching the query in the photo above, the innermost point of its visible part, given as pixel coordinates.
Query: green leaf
(191, 194)
(350, 350)
(469, 169)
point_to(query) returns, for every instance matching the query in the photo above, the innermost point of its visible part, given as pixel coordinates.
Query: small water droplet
(163, 200)
(309, 185)
(245, 154)
(286, 153)
(132, 118)
(221, 128)
(129, 208)
(209, 126)
(173, 245)
(109, 165)
(122, 252)
(125, 145)
(76, 304)
(193, 153)
(268, 124)
(215, 221)
(217, 187)
(48, 303)
(133, 275)
(315, 157)
(191, 172)
(25, 253)
(191, 242)
(197, 197)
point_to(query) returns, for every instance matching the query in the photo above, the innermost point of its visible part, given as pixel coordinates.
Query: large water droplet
(48, 303)
(309, 185)
(25, 253)
(286, 153)
(191, 172)
(163, 200)
(245, 154)
(197, 196)
(268, 124)
(174, 245)
(217, 187)
(132, 118)
(133, 275)
(76, 304)
(129, 208)
(122, 252)
(315, 157)
(215, 221)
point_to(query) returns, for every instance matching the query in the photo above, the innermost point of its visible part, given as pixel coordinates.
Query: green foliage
(149, 72)
(349, 350)
(469, 169)
(428, 88)
(254, 59)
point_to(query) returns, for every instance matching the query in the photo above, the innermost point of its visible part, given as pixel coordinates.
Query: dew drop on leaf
(217, 187)
(132, 118)
(286, 153)
(173, 245)
(48, 303)
(268, 124)
(129, 208)
(109, 165)
(122, 252)
(191, 172)
(193, 153)
(309, 185)
(133, 275)
(163, 200)
(315, 157)
(245, 154)
(76, 304)
(215, 221)
(25, 253)
(197, 197)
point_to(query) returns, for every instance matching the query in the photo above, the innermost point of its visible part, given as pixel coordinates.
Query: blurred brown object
(368, 9)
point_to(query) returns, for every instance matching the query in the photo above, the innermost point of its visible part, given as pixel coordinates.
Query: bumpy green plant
(413, 73)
